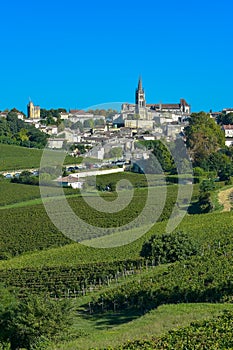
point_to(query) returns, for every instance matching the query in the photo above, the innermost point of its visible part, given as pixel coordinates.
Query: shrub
(169, 248)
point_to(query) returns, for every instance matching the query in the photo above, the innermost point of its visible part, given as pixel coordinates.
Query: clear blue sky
(76, 54)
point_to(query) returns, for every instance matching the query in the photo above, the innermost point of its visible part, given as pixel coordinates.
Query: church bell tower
(140, 99)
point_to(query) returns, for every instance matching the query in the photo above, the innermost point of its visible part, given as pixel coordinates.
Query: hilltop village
(95, 133)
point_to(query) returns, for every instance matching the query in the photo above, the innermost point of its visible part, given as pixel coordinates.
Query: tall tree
(203, 137)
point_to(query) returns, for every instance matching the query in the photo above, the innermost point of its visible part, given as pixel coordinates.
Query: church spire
(140, 83)
(140, 96)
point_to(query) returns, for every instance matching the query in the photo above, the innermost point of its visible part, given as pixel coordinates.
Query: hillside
(16, 157)
(122, 299)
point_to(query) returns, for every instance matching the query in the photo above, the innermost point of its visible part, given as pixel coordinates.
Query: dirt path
(223, 198)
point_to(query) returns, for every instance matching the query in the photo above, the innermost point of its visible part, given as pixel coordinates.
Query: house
(228, 130)
(229, 141)
(227, 110)
(56, 142)
(70, 181)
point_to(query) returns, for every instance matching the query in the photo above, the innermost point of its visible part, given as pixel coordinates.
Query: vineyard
(29, 228)
(205, 229)
(12, 193)
(16, 157)
(37, 258)
(215, 334)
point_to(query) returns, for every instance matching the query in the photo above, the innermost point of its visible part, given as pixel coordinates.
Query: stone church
(159, 113)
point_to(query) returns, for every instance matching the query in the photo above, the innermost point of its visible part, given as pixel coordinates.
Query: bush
(169, 248)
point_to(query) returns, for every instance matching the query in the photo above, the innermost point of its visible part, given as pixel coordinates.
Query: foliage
(26, 177)
(225, 172)
(77, 125)
(207, 185)
(21, 229)
(203, 137)
(205, 201)
(52, 116)
(27, 228)
(12, 193)
(104, 112)
(198, 171)
(215, 334)
(30, 323)
(225, 119)
(69, 281)
(205, 278)
(88, 123)
(161, 156)
(16, 131)
(116, 152)
(215, 162)
(169, 248)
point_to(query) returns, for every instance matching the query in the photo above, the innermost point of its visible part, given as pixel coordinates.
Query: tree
(116, 152)
(225, 172)
(204, 201)
(203, 137)
(225, 119)
(169, 248)
(23, 134)
(32, 322)
(161, 153)
(215, 161)
(88, 123)
(77, 125)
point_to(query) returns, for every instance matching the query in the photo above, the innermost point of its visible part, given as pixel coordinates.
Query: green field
(15, 157)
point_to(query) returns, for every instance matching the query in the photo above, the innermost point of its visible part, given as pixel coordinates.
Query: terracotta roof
(70, 179)
(77, 111)
(228, 127)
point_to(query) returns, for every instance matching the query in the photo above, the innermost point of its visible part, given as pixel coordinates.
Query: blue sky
(75, 54)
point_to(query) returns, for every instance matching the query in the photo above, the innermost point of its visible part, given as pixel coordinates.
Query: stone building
(33, 111)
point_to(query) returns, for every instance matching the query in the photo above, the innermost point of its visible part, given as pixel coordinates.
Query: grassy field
(113, 329)
(15, 157)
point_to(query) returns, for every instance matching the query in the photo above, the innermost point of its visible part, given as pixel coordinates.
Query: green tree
(226, 172)
(88, 123)
(203, 137)
(169, 248)
(225, 119)
(116, 152)
(31, 323)
(23, 134)
(161, 153)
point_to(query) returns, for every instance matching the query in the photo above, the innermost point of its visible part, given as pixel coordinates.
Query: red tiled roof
(77, 111)
(228, 127)
(70, 179)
